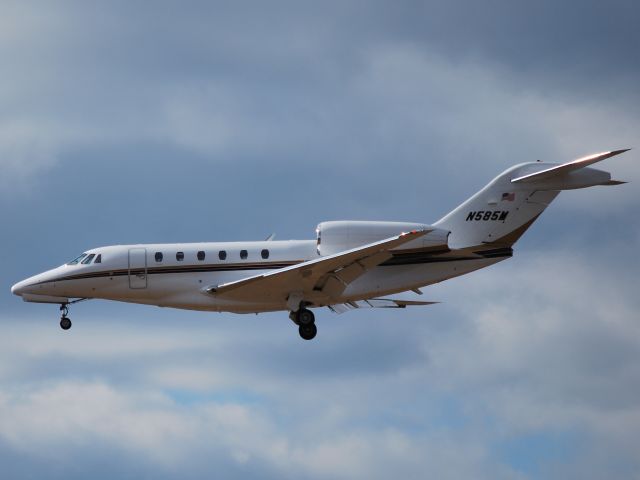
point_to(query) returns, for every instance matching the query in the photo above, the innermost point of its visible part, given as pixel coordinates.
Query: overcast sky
(125, 122)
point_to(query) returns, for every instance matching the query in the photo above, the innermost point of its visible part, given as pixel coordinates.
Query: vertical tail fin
(504, 209)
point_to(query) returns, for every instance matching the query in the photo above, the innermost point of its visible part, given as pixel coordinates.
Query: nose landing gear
(65, 322)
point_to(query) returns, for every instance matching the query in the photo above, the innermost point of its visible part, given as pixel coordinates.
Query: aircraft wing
(328, 276)
(568, 167)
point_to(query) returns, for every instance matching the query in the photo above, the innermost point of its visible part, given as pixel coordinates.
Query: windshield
(76, 260)
(88, 259)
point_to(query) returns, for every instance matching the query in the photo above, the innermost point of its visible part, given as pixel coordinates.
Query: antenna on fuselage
(270, 237)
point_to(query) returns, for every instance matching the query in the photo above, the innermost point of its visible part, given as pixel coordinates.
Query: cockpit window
(88, 259)
(98, 259)
(75, 261)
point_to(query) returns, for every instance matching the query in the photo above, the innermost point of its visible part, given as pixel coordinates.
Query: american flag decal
(508, 197)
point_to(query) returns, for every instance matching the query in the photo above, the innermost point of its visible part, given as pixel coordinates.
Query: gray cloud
(291, 89)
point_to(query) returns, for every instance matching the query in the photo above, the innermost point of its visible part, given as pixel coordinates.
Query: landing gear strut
(305, 319)
(65, 322)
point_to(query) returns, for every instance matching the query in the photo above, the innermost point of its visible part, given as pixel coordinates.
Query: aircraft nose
(18, 288)
(38, 284)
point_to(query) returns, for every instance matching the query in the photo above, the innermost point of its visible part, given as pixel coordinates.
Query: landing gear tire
(65, 323)
(308, 331)
(305, 317)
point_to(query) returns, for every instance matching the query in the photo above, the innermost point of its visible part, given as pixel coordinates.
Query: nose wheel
(65, 322)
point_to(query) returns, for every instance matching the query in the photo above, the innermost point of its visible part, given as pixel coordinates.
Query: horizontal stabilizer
(567, 167)
(611, 183)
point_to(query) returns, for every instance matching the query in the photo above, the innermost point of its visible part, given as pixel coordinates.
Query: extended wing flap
(333, 272)
(393, 301)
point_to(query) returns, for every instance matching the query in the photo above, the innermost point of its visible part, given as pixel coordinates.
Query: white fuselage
(350, 264)
(137, 274)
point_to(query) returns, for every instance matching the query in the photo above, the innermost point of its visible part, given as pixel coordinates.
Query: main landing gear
(306, 321)
(65, 322)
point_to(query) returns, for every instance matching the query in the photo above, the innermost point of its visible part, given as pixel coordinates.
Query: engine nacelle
(338, 236)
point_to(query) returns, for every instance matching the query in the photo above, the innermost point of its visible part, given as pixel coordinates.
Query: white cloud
(47, 420)
(549, 345)
(53, 421)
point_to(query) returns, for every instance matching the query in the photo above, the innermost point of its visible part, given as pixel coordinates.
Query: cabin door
(137, 268)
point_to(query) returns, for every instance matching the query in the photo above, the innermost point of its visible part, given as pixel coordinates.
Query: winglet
(618, 152)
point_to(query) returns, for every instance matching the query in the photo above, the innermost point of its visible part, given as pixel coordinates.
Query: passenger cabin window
(159, 257)
(76, 260)
(180, 256)
(98, 259)
(243, 254)
(222, 255)
(88, 259)
(265, 253)
(201, 255)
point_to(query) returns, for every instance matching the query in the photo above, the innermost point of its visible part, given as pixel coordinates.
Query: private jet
(349, 265)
